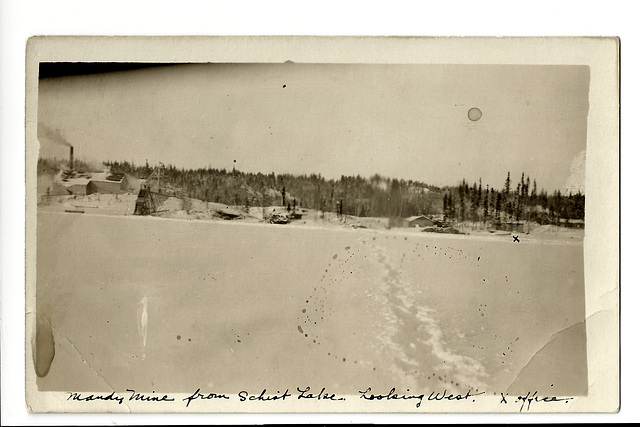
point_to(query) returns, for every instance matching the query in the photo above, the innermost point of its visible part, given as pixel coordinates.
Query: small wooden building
(417, 221)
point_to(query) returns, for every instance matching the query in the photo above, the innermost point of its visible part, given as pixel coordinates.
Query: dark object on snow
(277, 218)
(145, 204)
(227, 215)
(442, 230)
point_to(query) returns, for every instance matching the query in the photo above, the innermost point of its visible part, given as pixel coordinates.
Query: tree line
(522, 202)
(375, 196)
(354, 195)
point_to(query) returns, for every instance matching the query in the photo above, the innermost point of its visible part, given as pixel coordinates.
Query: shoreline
(321, 225)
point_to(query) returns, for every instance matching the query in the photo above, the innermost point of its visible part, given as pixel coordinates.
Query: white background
(21, 19)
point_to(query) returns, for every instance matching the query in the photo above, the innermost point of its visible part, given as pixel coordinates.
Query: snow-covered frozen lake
(157, 304)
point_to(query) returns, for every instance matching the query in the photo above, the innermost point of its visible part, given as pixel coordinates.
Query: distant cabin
(417, 221)
(412, 221)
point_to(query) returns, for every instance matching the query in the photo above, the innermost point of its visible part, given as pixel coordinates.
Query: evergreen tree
(486, 205)
(517, 202)
(534, 194)
(452, 208)
(445, 206)
(462, 204)
(492, 203)
(474, 202)
(507, 185)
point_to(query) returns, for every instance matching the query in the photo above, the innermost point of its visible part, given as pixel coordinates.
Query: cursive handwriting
(453, 396)
(197, 395)
(147, 398)
(244, 395)
(305, 394)
(530, 398)
(392, 395)
(111, 396)
(433, 396)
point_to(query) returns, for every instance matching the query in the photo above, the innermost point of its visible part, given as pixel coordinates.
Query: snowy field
(163, 304)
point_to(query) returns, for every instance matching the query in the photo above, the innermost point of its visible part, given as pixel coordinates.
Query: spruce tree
(507, 184)
(486, 205)
(445, 206)
(462, 204)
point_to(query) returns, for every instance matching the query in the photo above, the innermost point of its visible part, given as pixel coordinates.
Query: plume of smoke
(54, 135)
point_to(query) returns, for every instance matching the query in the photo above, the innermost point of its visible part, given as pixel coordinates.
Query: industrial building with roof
(71, 181)
(81, 184)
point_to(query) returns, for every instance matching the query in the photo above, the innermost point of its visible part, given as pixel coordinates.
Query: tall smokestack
(71, 157)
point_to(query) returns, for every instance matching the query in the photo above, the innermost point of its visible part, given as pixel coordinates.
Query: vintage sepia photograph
(254, 235)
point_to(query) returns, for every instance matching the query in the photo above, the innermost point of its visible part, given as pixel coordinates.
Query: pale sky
(401, 121)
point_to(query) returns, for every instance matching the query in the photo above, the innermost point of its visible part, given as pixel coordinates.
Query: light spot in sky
(474, 114)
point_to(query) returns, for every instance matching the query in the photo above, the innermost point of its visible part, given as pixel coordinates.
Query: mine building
(417, 221)
(106, 183)
(410, 222)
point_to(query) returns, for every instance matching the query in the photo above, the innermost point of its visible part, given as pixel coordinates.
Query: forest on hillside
(355, 195)
(375, 196)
